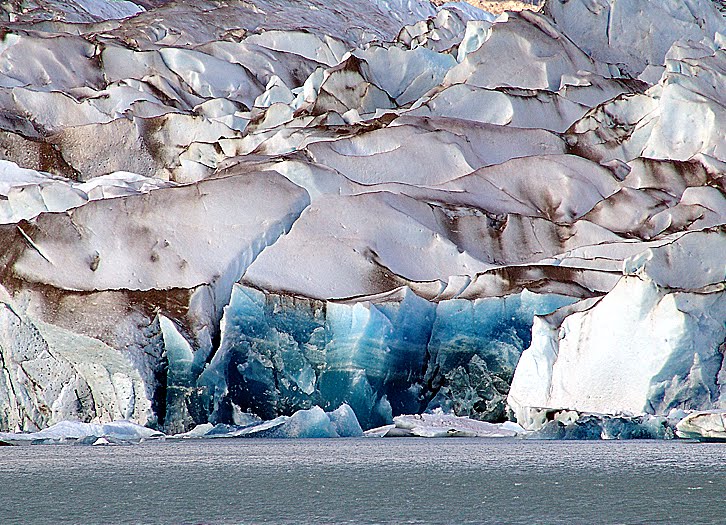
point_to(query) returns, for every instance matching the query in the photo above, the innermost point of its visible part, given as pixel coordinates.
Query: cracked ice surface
(261, 206)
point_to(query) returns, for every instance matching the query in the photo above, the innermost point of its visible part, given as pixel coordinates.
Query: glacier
(258, 219)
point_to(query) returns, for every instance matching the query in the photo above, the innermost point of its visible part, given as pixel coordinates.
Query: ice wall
(396, 355)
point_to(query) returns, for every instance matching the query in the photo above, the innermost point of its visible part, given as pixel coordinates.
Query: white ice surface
(643, 348)
(703, 425)
(121, 430)
(443, 425)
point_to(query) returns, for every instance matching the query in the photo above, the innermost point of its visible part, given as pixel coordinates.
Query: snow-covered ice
(437, 425)
(654, 343)
(246, 214)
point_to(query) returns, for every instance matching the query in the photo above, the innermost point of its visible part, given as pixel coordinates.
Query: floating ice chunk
(118, 430)
(266, 429)
(708, 425)
(344, 422)
(222, 430)
(380, 431)
(127, 430)
(244, 419)
(197, 432)
(312, 423)
(676, 415)
(445, 425)
(514, 427)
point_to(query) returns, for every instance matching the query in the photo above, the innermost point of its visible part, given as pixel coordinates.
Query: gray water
(365, 481)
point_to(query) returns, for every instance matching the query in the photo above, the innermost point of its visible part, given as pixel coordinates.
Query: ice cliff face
(653, 344)
(209, 208)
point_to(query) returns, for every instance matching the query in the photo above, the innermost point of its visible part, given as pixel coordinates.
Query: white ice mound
(604, 28)
(344, 422)
(680, 118)
(654, 343)
(25, 193)
(73, 11)
(443, 425)
(312, 423)
(198, 431)
(76, 430)
(708, 425)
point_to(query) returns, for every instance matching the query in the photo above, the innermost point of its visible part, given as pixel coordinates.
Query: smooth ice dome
(291, 219)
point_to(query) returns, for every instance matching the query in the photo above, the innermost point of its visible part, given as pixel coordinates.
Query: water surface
(364, 481)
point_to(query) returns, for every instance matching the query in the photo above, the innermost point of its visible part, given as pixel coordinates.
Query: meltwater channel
(228, 481)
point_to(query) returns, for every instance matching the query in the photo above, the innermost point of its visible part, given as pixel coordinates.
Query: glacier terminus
(275, 218)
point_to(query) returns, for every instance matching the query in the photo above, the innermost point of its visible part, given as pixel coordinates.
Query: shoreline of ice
(314, 423)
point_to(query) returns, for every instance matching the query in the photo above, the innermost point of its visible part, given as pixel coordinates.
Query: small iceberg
(197, 432)
(311, 423)
(709, 425)
(444, 425)
(85, 433)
